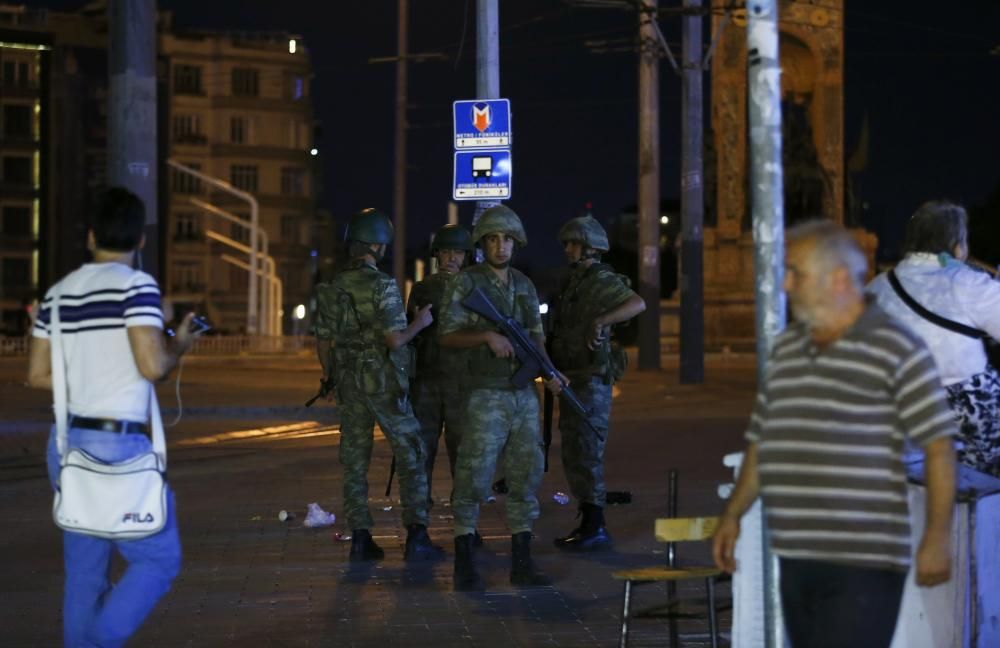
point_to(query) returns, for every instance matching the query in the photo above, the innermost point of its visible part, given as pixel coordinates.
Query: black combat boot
(466, 577)
(591, 535)
(363, 547)
(418, 545)
(522, 568)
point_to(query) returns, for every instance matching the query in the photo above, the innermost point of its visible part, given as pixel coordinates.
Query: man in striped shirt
(845, 387)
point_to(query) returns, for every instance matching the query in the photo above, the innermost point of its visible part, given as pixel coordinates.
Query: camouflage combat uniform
(588, 292)
(499, 419)
(355, 311)
(436, 392)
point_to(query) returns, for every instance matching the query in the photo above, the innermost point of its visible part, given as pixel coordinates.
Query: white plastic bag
(317, 517)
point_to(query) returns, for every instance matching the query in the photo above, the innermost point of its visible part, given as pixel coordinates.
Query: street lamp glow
(292, 46)
(300, 312)
(314, 151)
(664, 220)
(543, 309)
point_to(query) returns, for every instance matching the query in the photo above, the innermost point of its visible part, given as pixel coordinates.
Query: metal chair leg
(713, 629)
(623, 639)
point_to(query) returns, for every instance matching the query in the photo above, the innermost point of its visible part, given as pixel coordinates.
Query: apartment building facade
(235, 106)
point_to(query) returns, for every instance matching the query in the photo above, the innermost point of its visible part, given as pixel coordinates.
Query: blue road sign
(482, 123)
(483, 173)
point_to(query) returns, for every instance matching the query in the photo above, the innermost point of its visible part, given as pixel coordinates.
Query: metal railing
(209, 345)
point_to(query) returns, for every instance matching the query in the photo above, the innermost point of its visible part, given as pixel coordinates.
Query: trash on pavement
(561, 498)
(285, 516)
(317, 517)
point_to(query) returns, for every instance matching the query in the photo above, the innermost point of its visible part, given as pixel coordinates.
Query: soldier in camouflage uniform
(362, 343)
(436, 390)
(499, 420)
(592, 299)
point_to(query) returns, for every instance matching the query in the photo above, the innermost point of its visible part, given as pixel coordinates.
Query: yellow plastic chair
(673, 530)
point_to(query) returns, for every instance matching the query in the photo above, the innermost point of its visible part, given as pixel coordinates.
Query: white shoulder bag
(119, 501)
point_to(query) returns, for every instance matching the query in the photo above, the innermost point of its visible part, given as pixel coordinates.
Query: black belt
(109, 425)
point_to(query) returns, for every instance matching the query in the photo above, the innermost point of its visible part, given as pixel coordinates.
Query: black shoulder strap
(929, 316)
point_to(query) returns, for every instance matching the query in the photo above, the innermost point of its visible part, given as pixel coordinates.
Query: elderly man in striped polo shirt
(846, 386)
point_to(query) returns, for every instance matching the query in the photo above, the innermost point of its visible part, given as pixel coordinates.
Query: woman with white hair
(953, 307)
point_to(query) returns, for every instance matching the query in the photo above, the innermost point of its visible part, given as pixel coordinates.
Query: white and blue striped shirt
(99, 302)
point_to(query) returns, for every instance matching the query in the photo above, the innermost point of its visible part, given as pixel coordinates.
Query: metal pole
(692, 339)
(649, 186)
(764, 109)
(399, 192)
(487, 66)
(132, 111)
(272, 307)
(255, 227)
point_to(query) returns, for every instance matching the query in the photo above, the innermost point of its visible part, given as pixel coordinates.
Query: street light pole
(692, 329)
(649, 186)
(399, 192)
(487, 66)
(766, 182)
(252, 290)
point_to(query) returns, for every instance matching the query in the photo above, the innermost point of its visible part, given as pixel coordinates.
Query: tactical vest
(361, 356)
(576, 309)
(433, 362)
(483, 369)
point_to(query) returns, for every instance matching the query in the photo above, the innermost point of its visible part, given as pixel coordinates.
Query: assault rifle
(534, 362)
(325, 386)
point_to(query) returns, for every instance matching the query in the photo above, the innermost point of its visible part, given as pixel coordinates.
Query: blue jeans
(95, 611)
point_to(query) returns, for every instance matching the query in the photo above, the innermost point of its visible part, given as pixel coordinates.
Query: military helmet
(588, 231)
(500, 218)
(370, 226)
(452, 237)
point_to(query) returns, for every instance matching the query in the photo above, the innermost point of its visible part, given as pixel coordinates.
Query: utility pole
(692, 333)
(399, 192)
(487, 66)
(132, 157)
(764, 109)
(649, 185)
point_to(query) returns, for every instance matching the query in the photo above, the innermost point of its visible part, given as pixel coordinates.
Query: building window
(17, 170)
(243, 176)
(16, 221)
(295, 86)
(187, 277)
(187, 129)
(186, 183)
(289, 275)
(290, 229)
(186, 226)
(292, 181)
(240, 233)
(239, 130)
(238, 279)
(245, 82)
(17, 74)
(15, 273)
(187, 80)
(17, 121)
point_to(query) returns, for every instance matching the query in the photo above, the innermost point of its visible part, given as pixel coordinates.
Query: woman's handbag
(126, 500)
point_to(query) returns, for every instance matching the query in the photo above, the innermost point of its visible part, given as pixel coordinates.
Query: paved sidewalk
(251, 580)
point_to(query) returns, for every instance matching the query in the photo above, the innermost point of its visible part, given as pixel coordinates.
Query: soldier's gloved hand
(596, 333)
(423, 316)
(499, 345)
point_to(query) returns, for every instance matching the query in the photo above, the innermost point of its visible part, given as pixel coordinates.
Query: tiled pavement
(251, 580)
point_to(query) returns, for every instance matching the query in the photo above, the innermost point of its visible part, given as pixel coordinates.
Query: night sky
(922, 71)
